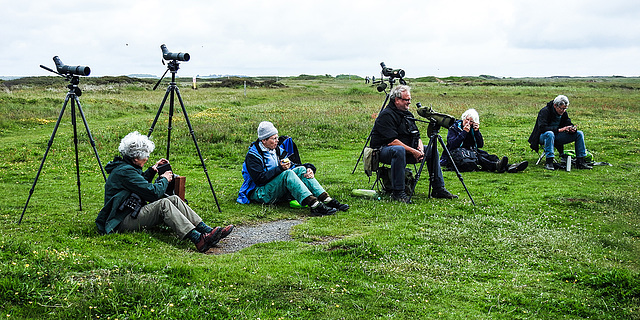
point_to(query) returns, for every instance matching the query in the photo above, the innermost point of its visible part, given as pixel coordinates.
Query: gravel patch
(246, 236)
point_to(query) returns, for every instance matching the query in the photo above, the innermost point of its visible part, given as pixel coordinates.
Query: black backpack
(384, 177)
(465, 159)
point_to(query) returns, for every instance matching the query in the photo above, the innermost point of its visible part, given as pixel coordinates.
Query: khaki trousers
(171, 211)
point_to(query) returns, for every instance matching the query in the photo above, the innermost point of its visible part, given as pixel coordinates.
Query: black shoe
(582, 164)
(335, 204)
(549, 164)
(400, 196)
(322, 210)
(443, 194)
(502, 165)
(517, 167)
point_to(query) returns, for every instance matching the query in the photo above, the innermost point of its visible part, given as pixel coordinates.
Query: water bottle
(371, 194)
(568, 163)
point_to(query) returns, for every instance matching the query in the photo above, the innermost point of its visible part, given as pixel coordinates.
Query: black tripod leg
(455, 168)
(195, 142)
(53, 134)
(75, 144)
(155, 120)
(418, 174)
(172, 88)
(369, 137)
(93, 143)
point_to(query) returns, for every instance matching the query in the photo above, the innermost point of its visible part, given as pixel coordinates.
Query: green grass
(538, 244)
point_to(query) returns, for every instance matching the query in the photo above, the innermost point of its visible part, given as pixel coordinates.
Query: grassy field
(537, 245)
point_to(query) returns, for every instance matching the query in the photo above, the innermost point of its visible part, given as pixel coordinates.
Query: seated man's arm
(256, 170)
(417, 153)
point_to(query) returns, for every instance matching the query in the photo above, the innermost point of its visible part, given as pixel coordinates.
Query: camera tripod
(381, 87)
(172, 91)
(432, 147)
(72, 95)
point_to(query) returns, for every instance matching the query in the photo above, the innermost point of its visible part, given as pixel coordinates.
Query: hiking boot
(443, 194)
(517, 167)
(225, 232)
(335, 204)
(322, 210)
(400, 196)
(502, 165)
(208, 240)
(549, 164)
(582, 164)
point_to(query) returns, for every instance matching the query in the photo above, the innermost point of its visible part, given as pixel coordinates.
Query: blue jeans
(396, 156)
(289, 182)
(549, 139)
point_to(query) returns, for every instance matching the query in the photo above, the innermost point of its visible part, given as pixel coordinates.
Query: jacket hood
(116, 162)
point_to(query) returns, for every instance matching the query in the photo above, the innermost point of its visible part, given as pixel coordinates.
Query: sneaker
(335, 204)
(322, 210)
(400, 196)
(582, 164)
(502, 165)
(443, 194)
(517, 167)
(208, 240)
(549, 164)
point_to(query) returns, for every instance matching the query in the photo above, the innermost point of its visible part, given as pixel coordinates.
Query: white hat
(266, 129)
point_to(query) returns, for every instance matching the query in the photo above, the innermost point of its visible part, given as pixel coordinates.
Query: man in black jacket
(398, 139)
(554, 128)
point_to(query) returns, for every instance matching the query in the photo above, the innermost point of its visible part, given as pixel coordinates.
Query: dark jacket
(393, 124)
(126, 178)
(545, 117)
(458, 138)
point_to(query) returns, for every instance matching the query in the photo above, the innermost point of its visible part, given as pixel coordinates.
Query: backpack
(465, 159)
(384, 176)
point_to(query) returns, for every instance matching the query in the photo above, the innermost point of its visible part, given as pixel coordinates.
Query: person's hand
(466, 125)
(285, 163)
(159, 163)
(476, 126)
(168, 175)
(418, 154)
(309, 174)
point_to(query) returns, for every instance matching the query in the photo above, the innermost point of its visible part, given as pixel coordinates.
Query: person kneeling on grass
(128, 189)
(269, 177)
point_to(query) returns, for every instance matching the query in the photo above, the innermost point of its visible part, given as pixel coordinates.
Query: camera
(174, 56)
(75, 70)
(391, 73)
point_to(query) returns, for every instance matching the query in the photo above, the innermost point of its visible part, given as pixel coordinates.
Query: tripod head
(70, 73)
(392, 75)
(173, 64)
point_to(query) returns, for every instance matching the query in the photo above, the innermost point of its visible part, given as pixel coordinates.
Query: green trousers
(290, 182)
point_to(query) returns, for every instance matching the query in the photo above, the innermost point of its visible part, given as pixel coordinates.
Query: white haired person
(465, 134)
(132, 202)
(270, 177)
(553, 128)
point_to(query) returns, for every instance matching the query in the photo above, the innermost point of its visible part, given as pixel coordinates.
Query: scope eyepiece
(174, 56)
(65, 69)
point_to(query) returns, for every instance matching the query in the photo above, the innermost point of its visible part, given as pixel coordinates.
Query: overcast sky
(291, 37)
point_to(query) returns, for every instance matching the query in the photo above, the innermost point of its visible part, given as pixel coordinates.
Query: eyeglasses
(405, 100)
(562, 107)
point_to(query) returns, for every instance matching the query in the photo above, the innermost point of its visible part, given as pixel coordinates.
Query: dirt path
(246, 236)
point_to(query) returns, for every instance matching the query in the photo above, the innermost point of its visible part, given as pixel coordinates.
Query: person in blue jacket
(270, 177)
(132, 202)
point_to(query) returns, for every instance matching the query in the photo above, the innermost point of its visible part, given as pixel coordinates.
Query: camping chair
(560, 149)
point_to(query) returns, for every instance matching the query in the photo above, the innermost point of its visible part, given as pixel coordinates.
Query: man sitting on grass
(270, 177)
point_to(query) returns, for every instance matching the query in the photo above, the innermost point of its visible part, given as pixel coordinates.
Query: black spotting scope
(392, 73)
(174, 56)
(65, 69)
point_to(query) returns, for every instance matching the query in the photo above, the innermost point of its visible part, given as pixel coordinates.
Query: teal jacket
(124, 179)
